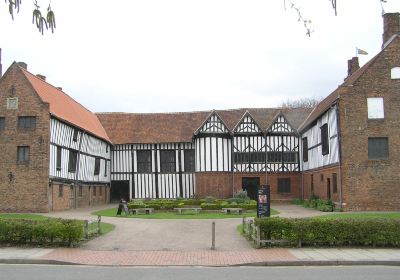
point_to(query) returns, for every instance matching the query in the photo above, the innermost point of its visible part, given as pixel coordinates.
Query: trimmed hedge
(45, 232)
(335, 232)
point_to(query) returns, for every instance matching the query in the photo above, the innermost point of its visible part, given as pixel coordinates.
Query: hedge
(335, 232)
(45, 232)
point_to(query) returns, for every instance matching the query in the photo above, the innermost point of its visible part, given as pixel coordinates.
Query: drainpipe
(340, 154)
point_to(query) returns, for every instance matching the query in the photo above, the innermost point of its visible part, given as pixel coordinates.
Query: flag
(359, 51)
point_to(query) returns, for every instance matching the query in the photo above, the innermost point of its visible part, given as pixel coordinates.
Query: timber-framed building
(56, 154)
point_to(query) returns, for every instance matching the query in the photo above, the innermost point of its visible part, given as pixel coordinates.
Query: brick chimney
(391, 26)
(41, 77)
(1, 66)
(23, 65)
(352, 66)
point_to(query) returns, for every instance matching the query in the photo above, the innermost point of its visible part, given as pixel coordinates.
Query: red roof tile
(65, 108)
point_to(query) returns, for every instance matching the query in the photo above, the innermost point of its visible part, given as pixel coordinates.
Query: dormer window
(395, 73)
(375, 108)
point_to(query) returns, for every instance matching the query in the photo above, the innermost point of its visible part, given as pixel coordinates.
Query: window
(189, 160)
(395, 73)
(75, 136)
(252, 157)
(59, 153)
(96, 166)
(23, 154)
(290, 157)
(325, 139)
(2, 123)
(94, 191)
(312, 183)
(375, 108)
(378, 148)
(284, 185)
(274, 157)
(106, 148)
(105, 168)
(143, 161)
(305, 149)
(334, 178)
(167, 158)
(60, 190)
(73, 155)
(27, 123)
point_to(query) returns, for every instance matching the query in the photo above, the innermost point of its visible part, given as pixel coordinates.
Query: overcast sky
(190, 55)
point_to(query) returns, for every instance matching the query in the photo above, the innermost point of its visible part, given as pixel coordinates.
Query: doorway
(328, 188)
(119, 189)
(251, 186)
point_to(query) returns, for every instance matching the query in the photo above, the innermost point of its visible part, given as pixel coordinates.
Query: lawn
(362, 215)
(23, 216)
(174, 215)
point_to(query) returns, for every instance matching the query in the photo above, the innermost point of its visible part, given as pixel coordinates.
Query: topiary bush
(210, 206)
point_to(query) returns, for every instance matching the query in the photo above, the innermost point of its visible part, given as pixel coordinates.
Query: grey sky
(185, 55)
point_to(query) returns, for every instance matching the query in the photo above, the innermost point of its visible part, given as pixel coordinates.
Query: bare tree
(307, 102)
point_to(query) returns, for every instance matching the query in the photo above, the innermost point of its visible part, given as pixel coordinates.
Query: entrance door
(251, 185)
(328, 188)
(119, 189)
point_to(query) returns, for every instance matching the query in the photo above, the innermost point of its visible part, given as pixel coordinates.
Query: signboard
(263, 201)
(12, 103)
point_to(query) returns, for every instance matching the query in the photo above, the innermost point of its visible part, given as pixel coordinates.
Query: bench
(230, 210)
(143, 210)
(197, 210)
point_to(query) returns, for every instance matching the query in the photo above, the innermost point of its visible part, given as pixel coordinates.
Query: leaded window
(378, 148)
(189, 160)
(97, 166)
(27, 123)
(167, 158)
(58, 161)
(284, 185)
(2, 123)
(23, 154)
(73, 156)
(305, 149)
(143, 161)
(325, 139)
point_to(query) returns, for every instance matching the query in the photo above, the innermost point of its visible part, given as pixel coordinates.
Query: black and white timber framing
(67, 140)
(168, 170)
(155, 182)
(315, 157)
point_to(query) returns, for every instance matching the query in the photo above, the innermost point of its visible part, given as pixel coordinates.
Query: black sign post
(263, 201)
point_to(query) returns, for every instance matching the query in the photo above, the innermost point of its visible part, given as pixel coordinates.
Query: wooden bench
(197, 210)
(230, 210)
(143, 210)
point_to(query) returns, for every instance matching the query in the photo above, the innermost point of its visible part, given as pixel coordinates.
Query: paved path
(274, 256)
(168, 235)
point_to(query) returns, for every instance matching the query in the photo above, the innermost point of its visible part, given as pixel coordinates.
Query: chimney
(1, 66)
(23, 65)
(391, 26)
(41, 77)
(352, 66)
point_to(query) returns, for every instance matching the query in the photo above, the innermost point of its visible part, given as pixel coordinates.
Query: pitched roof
(125, 128)
(65, 108)
(324, 105)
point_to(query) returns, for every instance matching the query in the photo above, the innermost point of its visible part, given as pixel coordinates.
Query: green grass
(363, 215)
(106, 228)
(23, 216)
(174, 215)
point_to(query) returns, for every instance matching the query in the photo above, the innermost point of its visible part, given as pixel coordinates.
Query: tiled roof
(324, 105)
(65, 108)
(125, 128)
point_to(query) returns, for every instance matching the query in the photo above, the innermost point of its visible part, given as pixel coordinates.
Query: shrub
(136, 205)
(298, 201)
(210, 206)
(209, 199)
(241, 196)
(335, 232)
(20, 231)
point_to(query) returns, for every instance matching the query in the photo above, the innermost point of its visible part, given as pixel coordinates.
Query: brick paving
(169, 258)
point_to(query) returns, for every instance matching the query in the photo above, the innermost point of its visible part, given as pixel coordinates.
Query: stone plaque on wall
(12, 103)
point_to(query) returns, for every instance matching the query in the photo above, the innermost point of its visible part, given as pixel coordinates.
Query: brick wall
(28, 189)
(371, 184)
(216, 184)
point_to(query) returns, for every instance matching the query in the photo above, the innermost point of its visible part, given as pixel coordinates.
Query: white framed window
(395, 73)
(375, 108)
